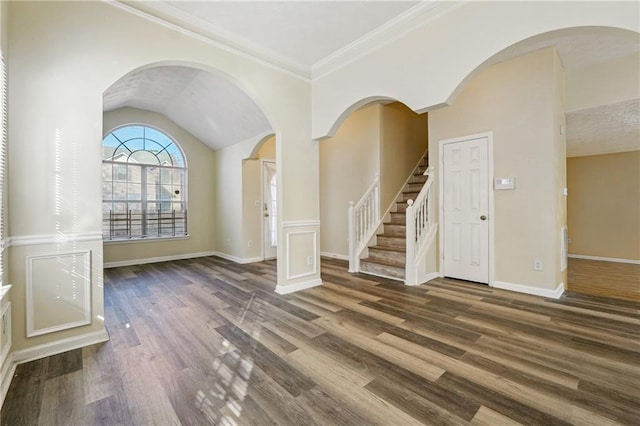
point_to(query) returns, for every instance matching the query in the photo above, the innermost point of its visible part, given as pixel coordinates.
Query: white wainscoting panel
(58, 292)
(305, 243)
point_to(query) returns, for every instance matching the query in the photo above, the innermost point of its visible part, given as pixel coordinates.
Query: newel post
(351, 231)
(410, 267)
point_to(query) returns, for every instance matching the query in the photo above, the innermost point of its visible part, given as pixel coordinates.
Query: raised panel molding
(313, 267)
(58, 292)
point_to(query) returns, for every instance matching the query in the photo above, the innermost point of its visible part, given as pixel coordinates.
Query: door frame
(263, 238)
(441, 144)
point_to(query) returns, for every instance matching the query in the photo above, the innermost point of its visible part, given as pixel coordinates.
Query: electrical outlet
(537, 265)
(309, 260)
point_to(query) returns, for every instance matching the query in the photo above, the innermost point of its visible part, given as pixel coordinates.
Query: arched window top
(141, 145)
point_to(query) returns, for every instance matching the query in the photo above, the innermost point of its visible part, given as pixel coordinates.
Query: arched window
(144, 177)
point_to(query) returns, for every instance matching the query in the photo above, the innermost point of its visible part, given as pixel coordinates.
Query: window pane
(143, 157)
(178, 176)
(175, 153)
(134, 191)
(132, 151)
(107, 172)
(119, 191)
(159, 137)
(165, 176)
(135, 173)
(129, 132)
(107, 190)
(120, 172)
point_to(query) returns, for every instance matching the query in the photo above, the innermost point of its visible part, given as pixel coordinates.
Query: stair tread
(388, 264)
(389, 248)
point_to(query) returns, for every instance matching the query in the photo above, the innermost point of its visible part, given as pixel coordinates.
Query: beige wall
(403, 140)
(349, 162)
(267, 150)
(200, 192)
(604, 83)
(604, 205)
(517, 101)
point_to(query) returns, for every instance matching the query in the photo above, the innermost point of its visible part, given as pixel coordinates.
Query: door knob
(483, 217)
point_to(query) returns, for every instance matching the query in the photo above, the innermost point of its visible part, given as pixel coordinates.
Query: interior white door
(466, 203)
(269, 210)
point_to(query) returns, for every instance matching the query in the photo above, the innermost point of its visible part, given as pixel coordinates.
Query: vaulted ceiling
(300, 36)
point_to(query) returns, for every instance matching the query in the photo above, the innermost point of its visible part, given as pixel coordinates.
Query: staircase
(387, 256)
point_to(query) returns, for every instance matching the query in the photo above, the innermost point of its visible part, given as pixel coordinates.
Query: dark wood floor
(206, 341)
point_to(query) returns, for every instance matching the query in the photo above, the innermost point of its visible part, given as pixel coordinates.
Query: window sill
(144, 240)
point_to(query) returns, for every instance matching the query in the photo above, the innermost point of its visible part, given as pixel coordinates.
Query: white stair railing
(363, 221)
(419, 216)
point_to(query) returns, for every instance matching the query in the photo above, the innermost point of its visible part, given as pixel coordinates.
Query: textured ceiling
(605, 129)
(577, 47)
(205, 104)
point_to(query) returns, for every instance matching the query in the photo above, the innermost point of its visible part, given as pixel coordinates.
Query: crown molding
(412, 19)
(165, 15)
(174, 18)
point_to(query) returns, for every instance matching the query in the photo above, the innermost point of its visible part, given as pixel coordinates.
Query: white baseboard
(334, 255)
(6, 375)
(158, 259)
(59, 346)
(280, 289)
(536, 291)
(604, 259)
(431, 276)
(241, 260)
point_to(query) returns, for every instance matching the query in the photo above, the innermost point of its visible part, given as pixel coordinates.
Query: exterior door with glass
(269, 210)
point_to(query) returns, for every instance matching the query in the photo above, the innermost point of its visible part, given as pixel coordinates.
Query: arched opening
(550, 100)
(260, 195)
(217, 124)
(368, 162)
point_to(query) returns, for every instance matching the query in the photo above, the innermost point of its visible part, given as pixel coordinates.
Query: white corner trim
(604, 259)
(334, 255)
(240, 260)
(59, 346)
(536, 291)
(33, 240)
(158, 259)
(6, 375)
(285, 289)
(300, 223)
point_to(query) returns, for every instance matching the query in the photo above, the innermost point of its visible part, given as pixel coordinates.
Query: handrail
(363, 221)
(419, 221)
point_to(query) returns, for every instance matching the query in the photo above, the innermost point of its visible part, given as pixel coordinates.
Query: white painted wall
(603, 83)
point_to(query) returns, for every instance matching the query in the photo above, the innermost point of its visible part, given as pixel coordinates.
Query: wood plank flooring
(207, 341)
(606, 279)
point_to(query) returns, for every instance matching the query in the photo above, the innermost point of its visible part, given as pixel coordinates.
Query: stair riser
(398, 230)
(397, 258)
(414, 187)
(385, 270)
(385, 241)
